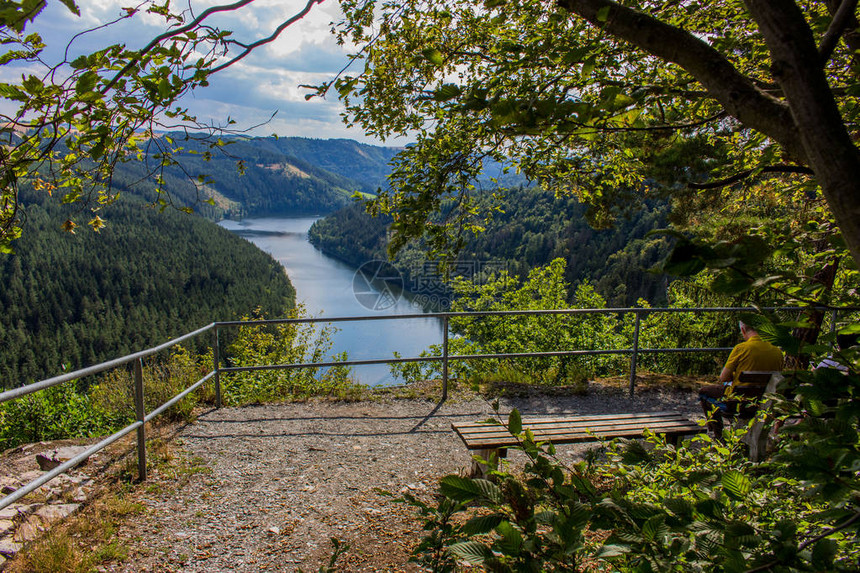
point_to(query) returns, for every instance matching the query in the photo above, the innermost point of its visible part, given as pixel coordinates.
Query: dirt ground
(265, 487)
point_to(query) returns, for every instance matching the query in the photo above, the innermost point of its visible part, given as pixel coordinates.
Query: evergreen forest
(528, 229)
(72, 300)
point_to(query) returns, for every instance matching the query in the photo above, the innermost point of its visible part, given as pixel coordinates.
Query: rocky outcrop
(28, 518)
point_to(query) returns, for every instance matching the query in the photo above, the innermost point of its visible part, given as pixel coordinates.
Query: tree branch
(807, 543)
(744, 174)
(735, 92)
(169, 34)
(828, 147)
(254, 45)
(840, 22)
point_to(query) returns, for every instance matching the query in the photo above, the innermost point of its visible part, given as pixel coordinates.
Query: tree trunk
(825, 277)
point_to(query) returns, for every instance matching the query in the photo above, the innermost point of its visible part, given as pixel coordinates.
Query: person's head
(746, 330)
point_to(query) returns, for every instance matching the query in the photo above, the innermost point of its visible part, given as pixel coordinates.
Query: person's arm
(728, 372)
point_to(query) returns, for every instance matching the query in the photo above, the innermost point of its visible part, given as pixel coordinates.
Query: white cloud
(250, 91)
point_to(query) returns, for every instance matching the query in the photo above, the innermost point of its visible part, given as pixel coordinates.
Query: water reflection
(328, 287)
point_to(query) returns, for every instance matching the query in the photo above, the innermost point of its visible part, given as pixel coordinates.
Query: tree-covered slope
(77, 299)
(365, 164)
(532, 228)
(243, 177)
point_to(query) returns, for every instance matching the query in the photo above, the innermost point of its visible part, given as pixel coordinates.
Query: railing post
(635, 353)
(444, 358)
(140, 413)
(216, 366)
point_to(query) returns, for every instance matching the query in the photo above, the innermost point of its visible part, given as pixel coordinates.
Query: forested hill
(533, 228)
(78, 299)
(263, 175)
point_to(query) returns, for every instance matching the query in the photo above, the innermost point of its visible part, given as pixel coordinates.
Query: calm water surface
(325, 286)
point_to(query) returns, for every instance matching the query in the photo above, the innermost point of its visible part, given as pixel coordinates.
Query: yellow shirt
(753, 354)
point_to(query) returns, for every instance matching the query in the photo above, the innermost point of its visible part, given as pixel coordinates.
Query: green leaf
(434, 56)
(471, 552)
(736, 484)
(86, 83)
(655, 528)
(73, 8)
(823, 554)
(515, 422)
(467, 489)
(731, 283)
(447, 92)
(482, 524)
(610, 551)
(603, 14)
(511, 540)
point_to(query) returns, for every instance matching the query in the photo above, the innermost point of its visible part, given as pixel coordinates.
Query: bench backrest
(756, 385)
(755, 378)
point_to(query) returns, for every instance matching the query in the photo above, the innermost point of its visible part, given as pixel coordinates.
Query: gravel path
(286, 478)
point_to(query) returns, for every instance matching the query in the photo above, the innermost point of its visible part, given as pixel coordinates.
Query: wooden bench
(490, 441)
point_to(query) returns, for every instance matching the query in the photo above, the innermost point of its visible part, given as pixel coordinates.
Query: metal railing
(141, 417)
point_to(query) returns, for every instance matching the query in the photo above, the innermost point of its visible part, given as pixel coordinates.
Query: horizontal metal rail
(173, 401)
(83, 372)
(564, 311)
(438, 357)
(139, 407)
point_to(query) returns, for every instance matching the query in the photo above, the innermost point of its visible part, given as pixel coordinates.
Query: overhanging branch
(837, 27)
(738, 177)
(254, 45)
(738, 95)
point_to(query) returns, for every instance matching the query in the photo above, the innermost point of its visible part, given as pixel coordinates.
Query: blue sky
(253, 89)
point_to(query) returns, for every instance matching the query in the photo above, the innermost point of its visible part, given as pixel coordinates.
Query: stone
(9, 483)
(11, 512)
(9, 548)
(56, 511)
(50, 460)
(6, 525)
(29, 476)
(42, 518)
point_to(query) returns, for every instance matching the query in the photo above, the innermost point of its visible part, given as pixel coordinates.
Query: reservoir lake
(328, 287)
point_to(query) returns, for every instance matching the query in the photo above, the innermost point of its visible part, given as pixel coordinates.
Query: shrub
(700, 506)
(288, 343)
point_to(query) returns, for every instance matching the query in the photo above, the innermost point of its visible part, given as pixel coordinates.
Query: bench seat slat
(536, 425)
(576, 429)
(560, 429)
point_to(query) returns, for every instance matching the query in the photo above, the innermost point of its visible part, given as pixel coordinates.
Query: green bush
(162, 380)
(54, 413)
(289, 343)
(652, 507)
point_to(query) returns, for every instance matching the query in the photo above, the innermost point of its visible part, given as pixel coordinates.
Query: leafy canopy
(73, 120)
(588, 96)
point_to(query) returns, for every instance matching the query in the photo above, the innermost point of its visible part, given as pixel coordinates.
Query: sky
(265, 82)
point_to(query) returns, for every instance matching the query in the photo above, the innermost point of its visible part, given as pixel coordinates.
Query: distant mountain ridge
(258, 176)
(254, 176)
(365, 164)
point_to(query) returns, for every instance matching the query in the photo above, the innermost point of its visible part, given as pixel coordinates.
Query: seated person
(751, 354)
